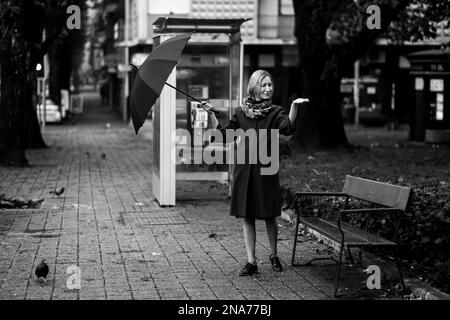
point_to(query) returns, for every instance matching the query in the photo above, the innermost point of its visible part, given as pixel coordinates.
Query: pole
(241, 71)
(44, 97)
(126, 58)
(356, 93)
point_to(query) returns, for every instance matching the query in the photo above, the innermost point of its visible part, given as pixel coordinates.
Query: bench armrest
(369, 210)
(321, 194)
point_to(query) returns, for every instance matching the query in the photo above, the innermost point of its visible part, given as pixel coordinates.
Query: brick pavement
(126, 246)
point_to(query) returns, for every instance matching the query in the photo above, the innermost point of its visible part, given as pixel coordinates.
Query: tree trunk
(19, 128)
(33, 135)
(319, 123)
(54, 74)
(12, 107)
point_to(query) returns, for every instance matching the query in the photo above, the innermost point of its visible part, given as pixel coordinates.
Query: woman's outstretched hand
(300, 101)
(294, 105)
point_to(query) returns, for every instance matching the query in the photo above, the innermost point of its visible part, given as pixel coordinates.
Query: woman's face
(265, 90)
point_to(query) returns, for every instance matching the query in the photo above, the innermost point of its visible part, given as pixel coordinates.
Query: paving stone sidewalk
(126, 246)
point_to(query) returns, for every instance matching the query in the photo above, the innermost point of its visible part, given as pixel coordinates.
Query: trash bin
(430, 116)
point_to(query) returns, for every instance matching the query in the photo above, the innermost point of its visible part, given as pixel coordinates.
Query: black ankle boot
(249, 269)
(276, 264)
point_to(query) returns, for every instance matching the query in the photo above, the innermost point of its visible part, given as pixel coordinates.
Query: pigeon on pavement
(58, 191)
(42, 270)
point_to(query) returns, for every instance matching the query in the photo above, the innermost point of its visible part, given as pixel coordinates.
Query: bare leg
(250, 239)
(272, 233)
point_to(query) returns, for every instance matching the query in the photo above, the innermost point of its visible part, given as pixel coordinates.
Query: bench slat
(377, 192)
(352, 235)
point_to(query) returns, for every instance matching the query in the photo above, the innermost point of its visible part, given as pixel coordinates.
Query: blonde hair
(254, 83)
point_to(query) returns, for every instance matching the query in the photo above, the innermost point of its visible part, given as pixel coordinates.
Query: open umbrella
(152, 77)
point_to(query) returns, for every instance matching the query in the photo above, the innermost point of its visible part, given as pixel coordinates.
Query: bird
(42, 270)
(103, 155)
(58, 191)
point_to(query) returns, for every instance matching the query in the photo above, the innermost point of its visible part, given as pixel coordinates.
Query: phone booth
(430, 76)
(210, 69)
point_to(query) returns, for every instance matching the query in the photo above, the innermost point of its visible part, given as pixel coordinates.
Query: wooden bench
(393, 198)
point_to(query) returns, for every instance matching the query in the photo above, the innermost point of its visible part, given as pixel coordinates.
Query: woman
(254, 195)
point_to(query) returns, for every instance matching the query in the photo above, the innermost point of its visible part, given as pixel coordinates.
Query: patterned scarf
(256, 109)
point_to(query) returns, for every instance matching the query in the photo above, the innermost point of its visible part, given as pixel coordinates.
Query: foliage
(14, 203)
(420, 20)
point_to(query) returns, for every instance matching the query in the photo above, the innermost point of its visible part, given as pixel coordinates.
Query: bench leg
(402, 281)
(295, 240)
(338, 273)
(352, 260)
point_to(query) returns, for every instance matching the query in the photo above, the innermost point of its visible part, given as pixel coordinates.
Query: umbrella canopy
(152, 76)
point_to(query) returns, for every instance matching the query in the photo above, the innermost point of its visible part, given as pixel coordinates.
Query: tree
(65, 53)
(21, 47)
(21, 25)
(331, 36)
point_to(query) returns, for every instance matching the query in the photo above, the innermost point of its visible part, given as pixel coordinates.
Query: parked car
(52, 113)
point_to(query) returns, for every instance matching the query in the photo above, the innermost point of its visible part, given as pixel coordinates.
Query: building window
(169, 6)
(268, 19)
(286, 8)
(289, 56)
(266, 60)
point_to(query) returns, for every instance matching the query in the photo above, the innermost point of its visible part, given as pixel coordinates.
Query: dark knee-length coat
(256, 195)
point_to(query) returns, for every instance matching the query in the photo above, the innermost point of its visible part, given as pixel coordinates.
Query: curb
(420, 289)
(423, 291)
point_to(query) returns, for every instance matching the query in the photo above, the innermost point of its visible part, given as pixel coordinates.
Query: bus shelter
(210, 69)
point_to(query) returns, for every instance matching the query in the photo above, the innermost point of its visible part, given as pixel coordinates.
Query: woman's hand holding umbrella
(208, 107)
(211, 111)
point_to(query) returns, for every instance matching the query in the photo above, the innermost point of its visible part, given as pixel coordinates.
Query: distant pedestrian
(254, 195)
(103, 91)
